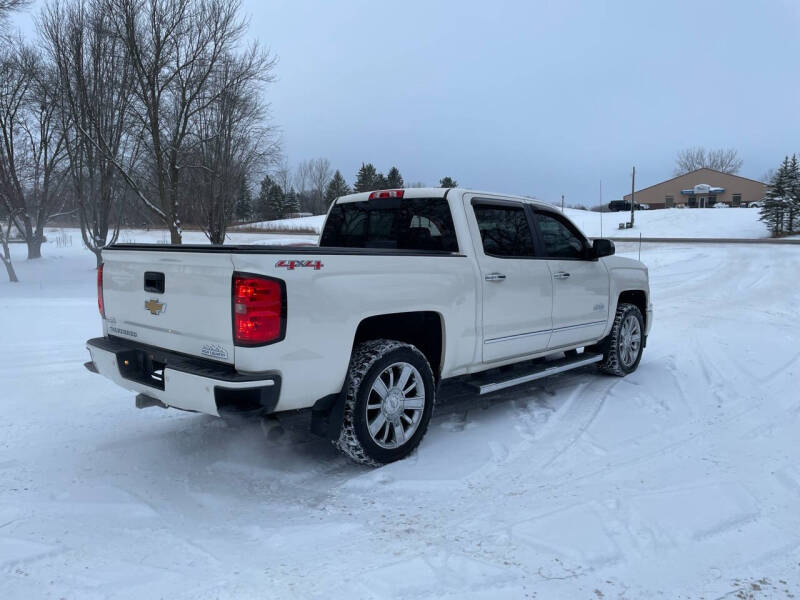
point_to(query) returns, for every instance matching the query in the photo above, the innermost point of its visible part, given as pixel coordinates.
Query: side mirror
(602, 247)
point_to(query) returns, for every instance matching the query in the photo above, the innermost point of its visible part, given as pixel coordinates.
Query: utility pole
(601, 208)
(633, 200)
(562, 203)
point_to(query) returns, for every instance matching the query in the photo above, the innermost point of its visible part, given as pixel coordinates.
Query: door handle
(495, 277)
(560, 275)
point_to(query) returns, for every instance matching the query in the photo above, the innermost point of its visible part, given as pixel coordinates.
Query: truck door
(517, 286)
(580, 283)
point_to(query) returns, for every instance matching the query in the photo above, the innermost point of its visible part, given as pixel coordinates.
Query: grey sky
(532, 97)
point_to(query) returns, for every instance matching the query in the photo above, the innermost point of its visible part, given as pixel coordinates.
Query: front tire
(622, 348)
(390, 396)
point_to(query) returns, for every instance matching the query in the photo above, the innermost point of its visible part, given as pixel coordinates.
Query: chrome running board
(540, 371)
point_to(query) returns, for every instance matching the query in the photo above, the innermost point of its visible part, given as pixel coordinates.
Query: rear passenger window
(505, 231)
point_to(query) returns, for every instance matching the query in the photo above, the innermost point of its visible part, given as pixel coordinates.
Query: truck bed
(285, 249)
(192, 312)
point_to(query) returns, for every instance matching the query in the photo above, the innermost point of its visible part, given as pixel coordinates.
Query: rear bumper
(184, 382)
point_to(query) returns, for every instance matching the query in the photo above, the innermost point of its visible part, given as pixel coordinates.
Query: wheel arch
(636, 297)
(423, 329)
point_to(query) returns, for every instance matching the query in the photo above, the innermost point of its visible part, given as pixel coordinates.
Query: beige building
(699, 189)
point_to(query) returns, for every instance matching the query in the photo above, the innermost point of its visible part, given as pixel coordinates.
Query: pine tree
(263, 207)
(336, 187)
(448, 182)
(367, 178)
(292, 203)
(276, 202)
(243, 208)
(393, 179)
(793, 195)
(380, 182)
(775, 201)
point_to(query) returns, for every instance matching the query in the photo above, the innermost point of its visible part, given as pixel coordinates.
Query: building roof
(697, 171)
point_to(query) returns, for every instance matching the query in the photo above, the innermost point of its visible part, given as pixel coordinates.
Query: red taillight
(259, 310)
(100, 306)
(387, 194)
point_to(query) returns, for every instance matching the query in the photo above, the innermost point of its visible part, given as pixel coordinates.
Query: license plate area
(142, 367)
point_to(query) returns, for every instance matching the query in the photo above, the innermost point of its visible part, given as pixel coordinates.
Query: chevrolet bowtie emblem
(154, 306)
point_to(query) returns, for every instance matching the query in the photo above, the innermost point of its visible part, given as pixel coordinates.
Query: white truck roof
(437, 192)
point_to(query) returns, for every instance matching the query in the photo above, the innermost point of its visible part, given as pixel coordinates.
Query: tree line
(725, 160)
(312, 187)
(132, 111)
(146, 112)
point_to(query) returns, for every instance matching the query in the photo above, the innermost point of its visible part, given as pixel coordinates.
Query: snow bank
(301, 224)
(673, 222)
(161, 236)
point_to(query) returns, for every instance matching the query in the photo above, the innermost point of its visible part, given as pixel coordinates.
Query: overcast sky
(532, 97)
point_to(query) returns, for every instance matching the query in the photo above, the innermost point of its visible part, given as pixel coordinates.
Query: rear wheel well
(637, 298)
(423, 329)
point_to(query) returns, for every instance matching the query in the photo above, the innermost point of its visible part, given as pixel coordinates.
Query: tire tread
(364, 356)
(611, 364)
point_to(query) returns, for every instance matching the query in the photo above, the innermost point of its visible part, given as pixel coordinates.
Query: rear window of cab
(391, 223)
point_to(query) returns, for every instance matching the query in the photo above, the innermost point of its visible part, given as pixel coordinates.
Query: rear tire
(390, 393)
(622, 348)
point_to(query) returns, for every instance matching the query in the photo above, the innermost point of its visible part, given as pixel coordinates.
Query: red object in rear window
(100, 305)
(387, 194)
(259, 310)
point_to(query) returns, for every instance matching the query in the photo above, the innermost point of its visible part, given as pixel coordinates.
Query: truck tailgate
(179, 301)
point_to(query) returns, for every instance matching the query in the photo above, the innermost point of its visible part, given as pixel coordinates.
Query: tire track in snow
(578, 432)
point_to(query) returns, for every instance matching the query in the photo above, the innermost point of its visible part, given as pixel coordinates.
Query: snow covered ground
(679, 481)
(675, 222)
(133, 236)
(300, 224)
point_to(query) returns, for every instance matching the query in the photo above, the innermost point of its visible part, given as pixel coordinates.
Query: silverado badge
(154, 306)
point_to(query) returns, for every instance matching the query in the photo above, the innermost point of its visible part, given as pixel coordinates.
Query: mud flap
(327, 415)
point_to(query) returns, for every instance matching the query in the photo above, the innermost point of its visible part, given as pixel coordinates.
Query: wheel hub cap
(630, 339)
(395, 405)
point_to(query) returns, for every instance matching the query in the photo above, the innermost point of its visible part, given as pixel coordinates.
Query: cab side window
(505, 230)
(560, 239)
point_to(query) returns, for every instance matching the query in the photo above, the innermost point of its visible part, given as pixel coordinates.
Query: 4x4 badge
(154, 306)
(294, 264)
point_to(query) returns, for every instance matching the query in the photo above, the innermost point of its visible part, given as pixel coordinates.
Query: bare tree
(283, 176)
(302, 176)
(175, 47)
(9, 6)
(310, 179)
(320, 176)
(233, 139)
(6, 7)
(31, 144)
(96, 84)
(725, 160)
(6, 256)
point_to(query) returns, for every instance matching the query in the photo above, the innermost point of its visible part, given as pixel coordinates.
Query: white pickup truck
(407, 289)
